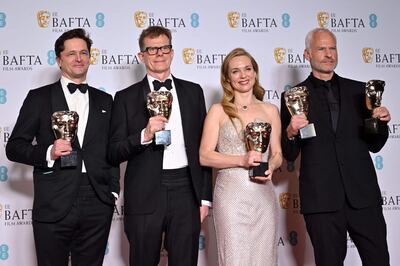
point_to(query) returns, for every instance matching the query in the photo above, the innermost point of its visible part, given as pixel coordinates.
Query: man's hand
(156, 123)
(296, 122)
(203, 212)
(60, 147)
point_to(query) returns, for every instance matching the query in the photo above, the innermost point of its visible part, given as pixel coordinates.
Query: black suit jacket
(144, 168)
(55, 189)
(335, 165)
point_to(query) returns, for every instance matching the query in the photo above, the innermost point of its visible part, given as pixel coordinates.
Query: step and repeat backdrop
(204, 31)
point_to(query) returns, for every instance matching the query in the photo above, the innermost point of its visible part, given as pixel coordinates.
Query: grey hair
(310, 36)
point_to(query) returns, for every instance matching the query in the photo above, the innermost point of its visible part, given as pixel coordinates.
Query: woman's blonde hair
(228, 97)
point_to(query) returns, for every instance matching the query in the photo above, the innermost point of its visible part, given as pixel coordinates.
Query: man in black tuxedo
(165, 190)
(339, 190)
(73, 206)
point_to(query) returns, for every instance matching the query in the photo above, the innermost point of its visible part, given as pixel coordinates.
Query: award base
(308, 132)
(258, 170)
(374, 126)
(70, 160)
(163, 137)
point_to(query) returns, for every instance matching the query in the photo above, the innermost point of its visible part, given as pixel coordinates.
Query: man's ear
(307, 54)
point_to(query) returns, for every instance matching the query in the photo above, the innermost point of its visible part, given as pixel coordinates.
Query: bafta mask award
(373, 98)
(65, 126)
(257, 136)
(160, 103)
(297, 103)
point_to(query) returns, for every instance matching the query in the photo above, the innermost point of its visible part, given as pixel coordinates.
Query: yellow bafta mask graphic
(140, 19)
(43, 18)
(322, 18)
(279, 54)
(233, 19)
(284, 198)
(94, 56)
(367, 54)
(188, 55)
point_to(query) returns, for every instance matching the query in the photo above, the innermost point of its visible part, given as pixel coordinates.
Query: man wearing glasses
(166, 190)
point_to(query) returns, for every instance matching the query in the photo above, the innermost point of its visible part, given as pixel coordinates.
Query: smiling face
(74, 60)
(157, 65)
(322, 55)
(241, 74)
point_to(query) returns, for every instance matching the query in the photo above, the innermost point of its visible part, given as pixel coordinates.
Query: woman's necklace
(244, 107)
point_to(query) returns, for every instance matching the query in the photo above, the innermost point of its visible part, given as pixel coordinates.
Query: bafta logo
(367, 54)
(43, 18)
(140, 19)
(94, 56)
(284, 198)
(323, 18)
(233, 19)
(279, 54)
(188, 55)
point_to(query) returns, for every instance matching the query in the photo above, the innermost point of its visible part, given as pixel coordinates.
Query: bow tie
(72, 87)
(167, 84)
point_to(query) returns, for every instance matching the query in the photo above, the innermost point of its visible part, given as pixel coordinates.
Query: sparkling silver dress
(245, 212)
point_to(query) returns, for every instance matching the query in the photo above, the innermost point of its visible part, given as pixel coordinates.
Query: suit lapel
(184, 106)
(93, 116)
(58, 101)
(342, 104)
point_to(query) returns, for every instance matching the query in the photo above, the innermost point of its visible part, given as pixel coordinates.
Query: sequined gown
(245, 213)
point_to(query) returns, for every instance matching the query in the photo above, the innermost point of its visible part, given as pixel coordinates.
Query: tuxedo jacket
(56, 188)
(335, 165)
(142, 185)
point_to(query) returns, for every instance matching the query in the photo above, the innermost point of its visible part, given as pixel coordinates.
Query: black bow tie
(167, 84)
(72, 87)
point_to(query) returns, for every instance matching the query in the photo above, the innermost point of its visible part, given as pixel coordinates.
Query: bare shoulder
(269, 107)
(216, 114)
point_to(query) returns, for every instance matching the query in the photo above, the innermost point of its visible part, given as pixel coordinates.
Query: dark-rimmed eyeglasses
(166, 49)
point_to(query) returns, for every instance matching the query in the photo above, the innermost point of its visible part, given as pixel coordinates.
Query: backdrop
(204, 31)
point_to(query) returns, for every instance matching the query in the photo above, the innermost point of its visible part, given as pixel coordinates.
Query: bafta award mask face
(94, 56)
(367, 54)
(43, 18)
(323, 18)
(279, 54)
(65, 124)
(140, 18)
(284, 198)
(233, 19)
(159, 103)
(296, 100)
(188, 55)
(257, 136)
(373, 93)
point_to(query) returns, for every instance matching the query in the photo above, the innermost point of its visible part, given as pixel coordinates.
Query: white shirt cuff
(116, 196)
(206, 203)
(50, 162)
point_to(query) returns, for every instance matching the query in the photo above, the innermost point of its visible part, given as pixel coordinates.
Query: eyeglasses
(166, 49)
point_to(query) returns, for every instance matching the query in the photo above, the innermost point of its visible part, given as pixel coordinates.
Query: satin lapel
(93, 116)
(145, 88)
(58, 101)
(184, 106)
(342, 104)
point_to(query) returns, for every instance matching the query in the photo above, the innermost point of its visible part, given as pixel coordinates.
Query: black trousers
(178, 217)
(81, 234)
(366, 227)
